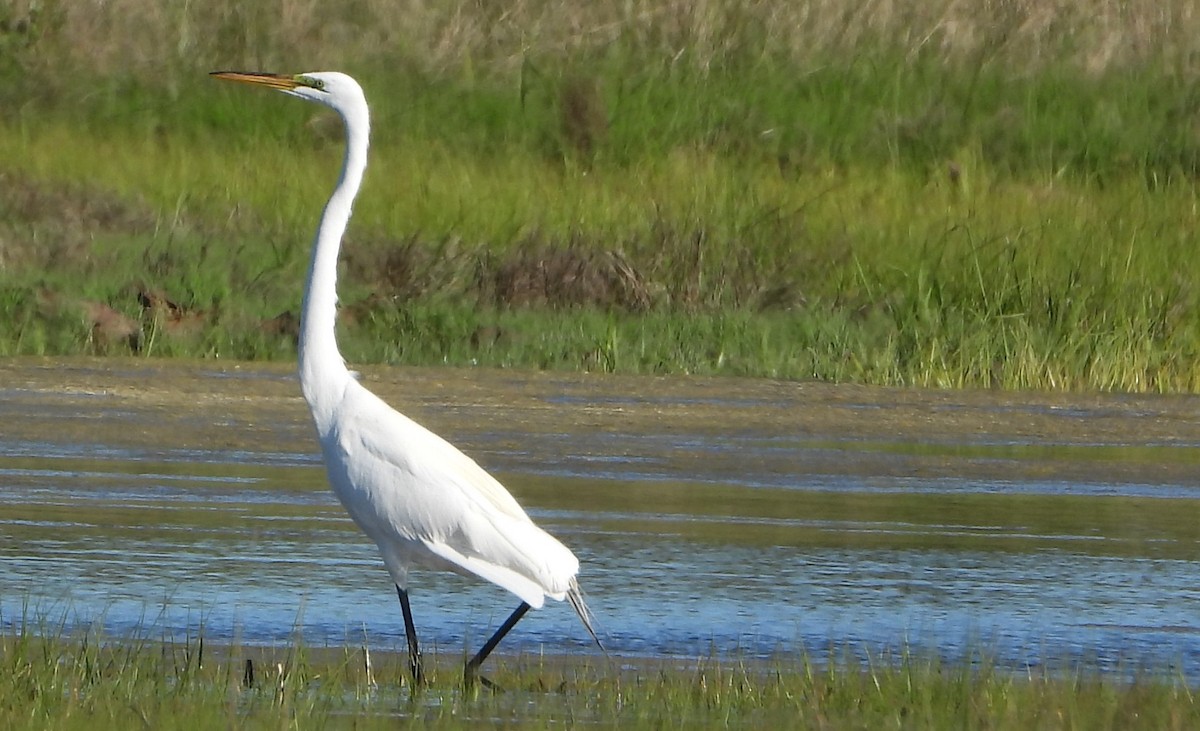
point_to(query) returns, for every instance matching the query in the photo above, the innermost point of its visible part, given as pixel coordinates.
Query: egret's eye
(311, 82)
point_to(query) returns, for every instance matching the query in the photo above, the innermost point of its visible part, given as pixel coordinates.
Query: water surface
(710, 515)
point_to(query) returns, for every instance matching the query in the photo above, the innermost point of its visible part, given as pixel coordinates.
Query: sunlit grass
(797, 201)
(53, 679)
(878, 276)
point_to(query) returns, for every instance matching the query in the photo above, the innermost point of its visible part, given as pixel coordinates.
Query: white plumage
(427, 504)
(421, 500)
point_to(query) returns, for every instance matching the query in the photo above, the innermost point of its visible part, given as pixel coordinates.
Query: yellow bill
(274, 81)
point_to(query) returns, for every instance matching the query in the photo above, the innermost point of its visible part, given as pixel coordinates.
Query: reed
(58, 679)
(934, 194)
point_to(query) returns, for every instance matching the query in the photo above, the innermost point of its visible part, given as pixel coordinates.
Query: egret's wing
(422, 489)
(475, 482)
(507, 550)
(431, 460)
(528, 590)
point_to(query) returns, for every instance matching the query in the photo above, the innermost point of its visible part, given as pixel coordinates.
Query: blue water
(241, 542)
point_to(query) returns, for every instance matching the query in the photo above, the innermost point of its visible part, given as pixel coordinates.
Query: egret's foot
(416, 670)
(471, 671)
(471, 676)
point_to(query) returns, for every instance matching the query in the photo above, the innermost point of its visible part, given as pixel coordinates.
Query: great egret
(421, 500)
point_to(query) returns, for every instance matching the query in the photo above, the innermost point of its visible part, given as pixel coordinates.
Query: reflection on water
(779, 519)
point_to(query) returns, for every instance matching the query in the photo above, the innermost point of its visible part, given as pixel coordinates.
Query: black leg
(474, 663)
(414, 652)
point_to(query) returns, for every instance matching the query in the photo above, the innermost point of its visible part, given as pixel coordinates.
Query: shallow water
(722, 515)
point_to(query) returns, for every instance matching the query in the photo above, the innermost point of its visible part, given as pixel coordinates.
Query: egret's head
(330, 88)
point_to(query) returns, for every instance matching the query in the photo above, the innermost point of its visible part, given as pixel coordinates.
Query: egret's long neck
(322, 370)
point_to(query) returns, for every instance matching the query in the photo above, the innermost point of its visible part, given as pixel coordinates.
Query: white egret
(421, 500)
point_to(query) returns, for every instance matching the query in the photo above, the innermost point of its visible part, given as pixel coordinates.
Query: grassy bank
(79, 682)
(951, 195)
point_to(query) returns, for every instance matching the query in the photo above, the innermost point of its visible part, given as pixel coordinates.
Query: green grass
(52, 680)
(723, 193)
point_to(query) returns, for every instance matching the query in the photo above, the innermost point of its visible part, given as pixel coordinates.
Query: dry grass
(533, 273)
(878, 191)
(569, 276)
(42, 225)
(146, 38)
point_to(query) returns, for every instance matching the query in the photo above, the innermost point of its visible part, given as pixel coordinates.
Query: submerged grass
(974, 194)
(50, 680)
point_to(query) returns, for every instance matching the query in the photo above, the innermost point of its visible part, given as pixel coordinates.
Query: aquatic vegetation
(78, 681)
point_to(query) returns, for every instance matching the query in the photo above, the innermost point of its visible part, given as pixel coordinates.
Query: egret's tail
(575, 597)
